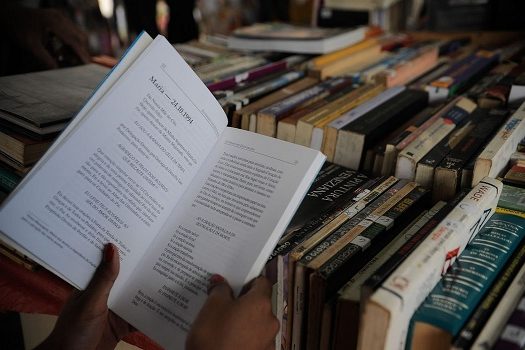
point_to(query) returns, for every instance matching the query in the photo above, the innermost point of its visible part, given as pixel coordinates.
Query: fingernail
(109, 252)
(214, 281)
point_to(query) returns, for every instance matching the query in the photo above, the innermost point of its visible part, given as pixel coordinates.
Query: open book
(149, 164)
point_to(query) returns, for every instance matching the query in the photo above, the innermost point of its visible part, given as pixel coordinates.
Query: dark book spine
(379, 121)
(341, 231)
(482, 313)
(513, 335)
(372, 283)
(462, 152)
(375, 231)
(419, 120)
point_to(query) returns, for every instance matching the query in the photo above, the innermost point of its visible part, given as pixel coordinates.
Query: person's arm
(30, 29)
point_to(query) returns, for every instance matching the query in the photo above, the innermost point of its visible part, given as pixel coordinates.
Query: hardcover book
(289, 38)
(179, 194)
(43, 103)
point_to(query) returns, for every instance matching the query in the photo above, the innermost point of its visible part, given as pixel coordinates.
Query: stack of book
(421, 110)
(382, 268)
(34, 109)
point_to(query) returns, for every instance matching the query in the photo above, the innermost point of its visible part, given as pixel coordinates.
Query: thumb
(97, 291)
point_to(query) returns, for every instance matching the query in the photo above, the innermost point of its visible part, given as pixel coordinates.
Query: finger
(97, 291)
(43, 56)
(70, 35)
(261, 286)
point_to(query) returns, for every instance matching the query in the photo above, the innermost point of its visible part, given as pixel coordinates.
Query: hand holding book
(246, 322)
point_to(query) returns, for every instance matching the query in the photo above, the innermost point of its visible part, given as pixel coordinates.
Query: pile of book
(422, 110)
(377, 266)
(406, 237)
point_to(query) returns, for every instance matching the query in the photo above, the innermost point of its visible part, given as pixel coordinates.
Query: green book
(448, 307)
(512, 198)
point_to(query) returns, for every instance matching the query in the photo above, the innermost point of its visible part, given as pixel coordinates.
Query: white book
(149, 165)
(289, 38)
(388, 312)
(498, 151)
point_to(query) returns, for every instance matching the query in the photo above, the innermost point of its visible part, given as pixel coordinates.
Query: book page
(120, 172)
(228, 222)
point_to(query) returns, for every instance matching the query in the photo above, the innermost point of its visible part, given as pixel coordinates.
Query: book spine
(352, 237)
(426, 166)
(380, 275)
(411, 282)
(348, 213)
(299, 289)
(349, 225)
(448, 174)
(252, 74)
(497, 153)
(455, 297)
(347, 304)
(354, 138)
(489, 302)
(495, 324)
(329, 142)
(375, 224)
(440, 128)
(346, 262)
(513, 335)
(281, 108)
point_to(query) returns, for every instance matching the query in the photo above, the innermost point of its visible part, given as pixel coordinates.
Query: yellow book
(329, 58)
